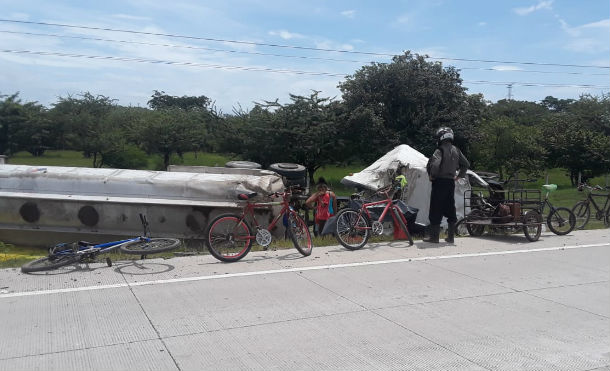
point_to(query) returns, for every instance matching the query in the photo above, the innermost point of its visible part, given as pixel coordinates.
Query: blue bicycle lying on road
(64, 254)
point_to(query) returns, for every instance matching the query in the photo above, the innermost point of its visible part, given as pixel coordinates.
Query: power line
(183, 46)
(275, 55)
(263, 69)
(176, 63)
(512, 83)
(534, 71)
(290, 46)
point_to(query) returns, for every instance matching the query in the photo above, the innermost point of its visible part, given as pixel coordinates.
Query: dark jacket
(445, 161)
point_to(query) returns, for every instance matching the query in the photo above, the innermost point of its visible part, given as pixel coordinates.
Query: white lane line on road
(288, 270)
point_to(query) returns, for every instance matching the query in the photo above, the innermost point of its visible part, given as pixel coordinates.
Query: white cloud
(506, 68)
(588, 38)
(482, 24)
(286, 35)
(131, 17)
(328, 44)
(547, 4)
(403, 18)
(349, 13)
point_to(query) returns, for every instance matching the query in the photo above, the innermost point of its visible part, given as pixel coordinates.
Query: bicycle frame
(251, 206)
(389, 205)
(96, 249)
(591, 198)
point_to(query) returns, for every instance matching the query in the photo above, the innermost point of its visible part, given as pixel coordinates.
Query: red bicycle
(354, 227)
(229, 236)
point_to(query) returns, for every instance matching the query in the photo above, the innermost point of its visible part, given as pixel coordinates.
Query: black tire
(294, 174)
(152, 246)
(353, 229)
(298, 232)
(475, 230)
(607, 219)
(221, 238)
(561, 221)
(461, 228)
(403, 226)
(243, 165)
(49, 263)
(582, 213)
(532, 225)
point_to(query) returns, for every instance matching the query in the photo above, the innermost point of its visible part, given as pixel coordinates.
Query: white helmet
(444, 133)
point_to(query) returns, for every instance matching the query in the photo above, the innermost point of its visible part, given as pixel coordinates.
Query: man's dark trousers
(442, 201)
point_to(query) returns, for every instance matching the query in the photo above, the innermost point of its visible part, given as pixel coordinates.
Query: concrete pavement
(490, 303)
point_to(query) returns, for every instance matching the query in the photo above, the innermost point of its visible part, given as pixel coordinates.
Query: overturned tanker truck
(40, 206)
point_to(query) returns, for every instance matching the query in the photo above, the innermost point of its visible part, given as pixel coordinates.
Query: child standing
(326, 205)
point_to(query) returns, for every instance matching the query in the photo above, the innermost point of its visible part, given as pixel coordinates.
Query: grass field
(75, 158)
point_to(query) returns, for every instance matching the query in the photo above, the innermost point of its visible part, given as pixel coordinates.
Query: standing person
(442, 167)
(326, 204)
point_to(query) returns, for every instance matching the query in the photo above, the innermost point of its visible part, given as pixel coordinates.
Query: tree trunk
(311, 170)
(166, 160)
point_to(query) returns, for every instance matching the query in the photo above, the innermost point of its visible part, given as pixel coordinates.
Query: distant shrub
(131, 157)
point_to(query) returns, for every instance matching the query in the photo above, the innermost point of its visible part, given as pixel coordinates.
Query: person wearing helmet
(442, 168)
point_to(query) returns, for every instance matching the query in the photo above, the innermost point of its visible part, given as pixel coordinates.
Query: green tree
(520, 112)
(556, 104)
(412, 97)
(167, 132)
(592, 113)
(577, 149)
(23, 126)
(85, 124)
(160, 101)
(506, 148)
(303, 131)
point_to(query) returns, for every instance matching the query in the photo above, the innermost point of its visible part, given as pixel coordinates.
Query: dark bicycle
(560, 220)
(64, 254)
(582, 209)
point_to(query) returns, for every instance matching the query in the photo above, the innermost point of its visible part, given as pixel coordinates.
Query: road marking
(289, 270)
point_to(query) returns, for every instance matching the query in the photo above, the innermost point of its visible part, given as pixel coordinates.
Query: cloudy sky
(239, 52)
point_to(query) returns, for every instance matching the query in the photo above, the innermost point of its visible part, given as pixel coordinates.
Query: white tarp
(382, 172)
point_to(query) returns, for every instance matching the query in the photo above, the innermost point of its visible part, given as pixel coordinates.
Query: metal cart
(482, 212)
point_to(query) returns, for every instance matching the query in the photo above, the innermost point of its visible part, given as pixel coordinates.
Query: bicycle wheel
(607, 218)
(403, 226)
(461, 228)
(228, 238)
(353, 229)
(149, 246)
(561, 221)
(299, 233)
(532, 225)
(582, 212)
(49, 263)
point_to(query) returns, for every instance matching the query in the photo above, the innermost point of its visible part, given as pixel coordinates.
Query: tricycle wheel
(461, 229)
(475, 230)
(532, 225)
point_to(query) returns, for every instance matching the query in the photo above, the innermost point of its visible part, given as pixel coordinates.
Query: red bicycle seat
(246, 196)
